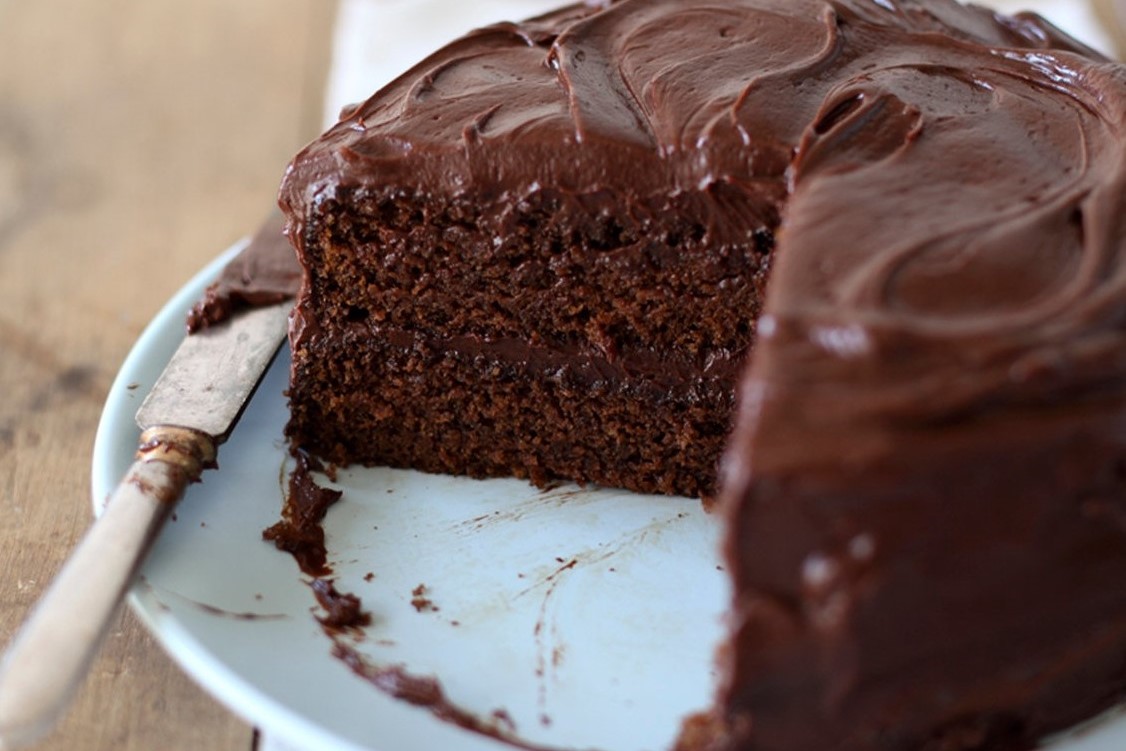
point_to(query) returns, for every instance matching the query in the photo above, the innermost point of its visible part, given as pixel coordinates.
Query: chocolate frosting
(953, 245)
(299, 531)
(598, 96)
(343, 611)
(264, 273)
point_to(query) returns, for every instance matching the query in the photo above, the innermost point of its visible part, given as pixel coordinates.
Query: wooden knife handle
(52, 651)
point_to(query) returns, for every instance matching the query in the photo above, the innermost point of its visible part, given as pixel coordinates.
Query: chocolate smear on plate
(299, 532)
(343, 611)
(426, 692)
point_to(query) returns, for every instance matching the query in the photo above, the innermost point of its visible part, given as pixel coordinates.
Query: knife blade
(190, 411)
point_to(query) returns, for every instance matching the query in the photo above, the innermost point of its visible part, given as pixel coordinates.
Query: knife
(190, 411)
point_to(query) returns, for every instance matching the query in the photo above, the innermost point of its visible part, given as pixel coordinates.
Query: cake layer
(492, 409)
(549, 267)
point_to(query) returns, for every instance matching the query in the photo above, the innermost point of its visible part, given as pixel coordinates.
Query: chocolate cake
(507, 274)
(544, 251)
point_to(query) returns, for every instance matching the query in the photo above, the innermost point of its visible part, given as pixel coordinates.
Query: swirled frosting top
(641, 95)
(951, 181)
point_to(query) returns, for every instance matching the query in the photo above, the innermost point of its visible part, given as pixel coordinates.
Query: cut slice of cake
(514, 266)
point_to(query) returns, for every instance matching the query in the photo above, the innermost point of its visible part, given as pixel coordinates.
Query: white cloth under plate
(376, 40)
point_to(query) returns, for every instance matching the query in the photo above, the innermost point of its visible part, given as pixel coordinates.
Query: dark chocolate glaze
(264, 273)
(299, 532)
(924, 492)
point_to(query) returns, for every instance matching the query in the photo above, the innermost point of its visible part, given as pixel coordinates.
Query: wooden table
(137, 140)
(1112, 14)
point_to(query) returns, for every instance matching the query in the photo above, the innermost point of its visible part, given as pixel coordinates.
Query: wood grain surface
(137, 140)
(1112, 15)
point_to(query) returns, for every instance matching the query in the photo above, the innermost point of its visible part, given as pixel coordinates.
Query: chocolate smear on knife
(264, 273)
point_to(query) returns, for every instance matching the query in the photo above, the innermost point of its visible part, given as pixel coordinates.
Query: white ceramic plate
(587, 616)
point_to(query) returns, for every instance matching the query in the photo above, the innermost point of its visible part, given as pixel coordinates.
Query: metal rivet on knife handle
(188, 449)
